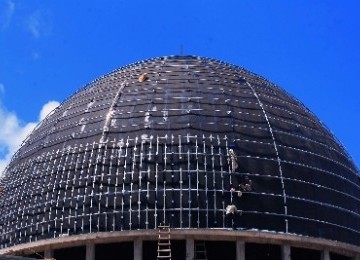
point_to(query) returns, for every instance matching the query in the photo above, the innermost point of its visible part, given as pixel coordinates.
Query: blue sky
(49, 49)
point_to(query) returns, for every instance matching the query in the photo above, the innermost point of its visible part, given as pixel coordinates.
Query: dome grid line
(277, 155)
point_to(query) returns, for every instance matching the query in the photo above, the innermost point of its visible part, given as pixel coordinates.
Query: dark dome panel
(164, 140)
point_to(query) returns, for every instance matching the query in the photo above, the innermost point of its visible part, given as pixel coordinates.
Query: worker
(239, 193)
(247, 185)
(233, 160)
(231, 212)
(143, 77)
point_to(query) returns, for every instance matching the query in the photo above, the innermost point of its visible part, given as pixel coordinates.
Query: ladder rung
(164, 250)
(164, 243)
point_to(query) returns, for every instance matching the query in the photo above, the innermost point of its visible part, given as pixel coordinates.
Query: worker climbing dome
(174, 141)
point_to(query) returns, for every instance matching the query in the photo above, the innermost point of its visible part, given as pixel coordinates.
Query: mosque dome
(176, 140)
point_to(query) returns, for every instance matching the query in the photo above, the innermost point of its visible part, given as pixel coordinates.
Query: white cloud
(48, 108)
(34, 24)
(7, 13)
(13, 132)
(39, 23)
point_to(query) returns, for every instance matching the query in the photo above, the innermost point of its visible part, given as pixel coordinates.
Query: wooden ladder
(200, 250)
(164, 243)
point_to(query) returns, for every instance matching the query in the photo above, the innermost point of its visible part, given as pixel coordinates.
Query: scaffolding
(128, 154)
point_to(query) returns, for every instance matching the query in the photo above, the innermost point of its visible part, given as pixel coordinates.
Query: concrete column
(240, 250)
(138, 250)
(48, 253)
(190, 249)
(285, 252)
(90, 251)
(325, 255)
